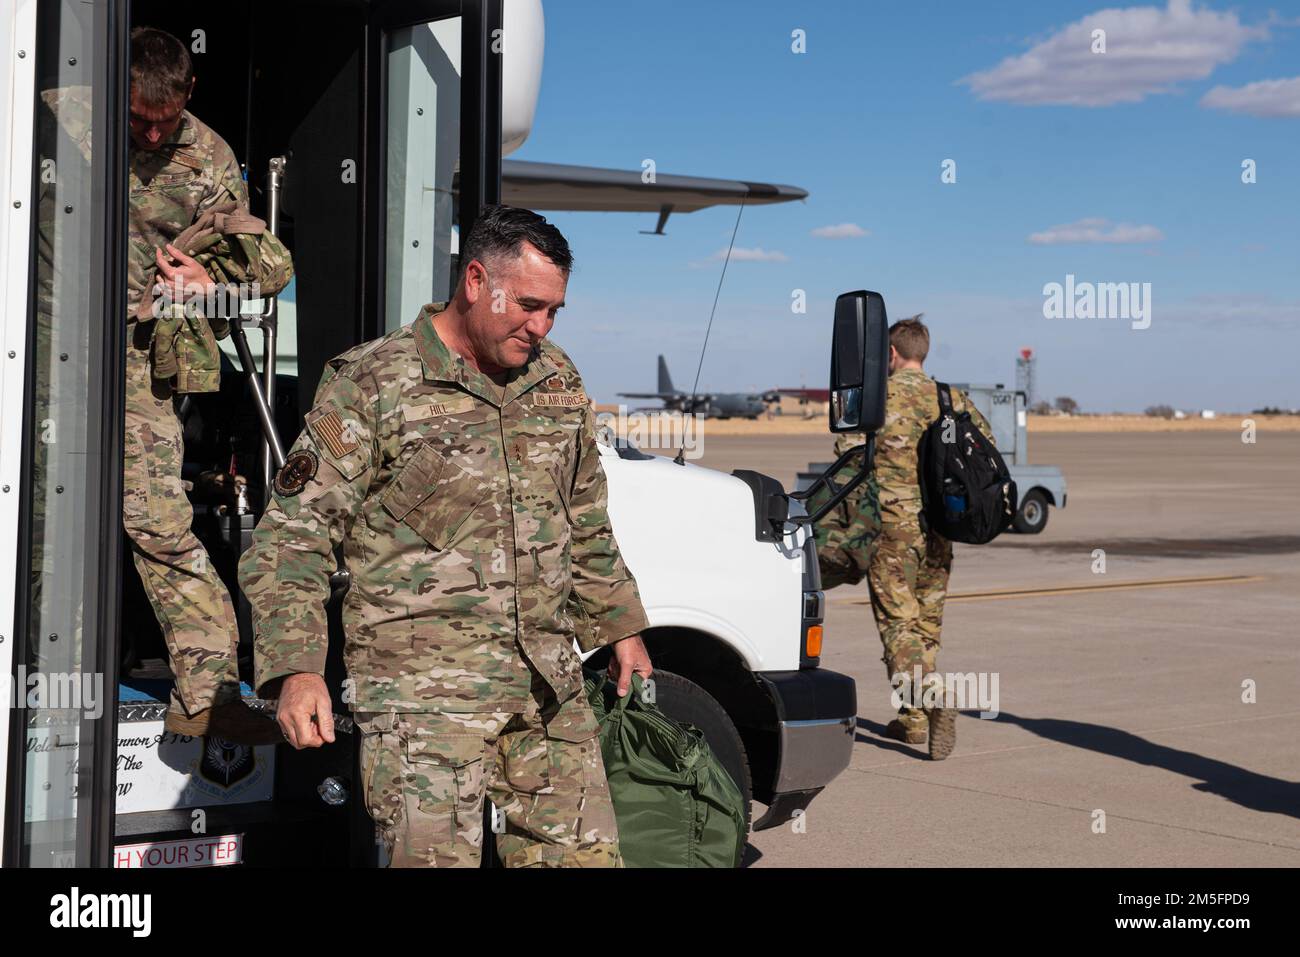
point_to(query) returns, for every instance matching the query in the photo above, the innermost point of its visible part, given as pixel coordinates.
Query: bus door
(389, 136)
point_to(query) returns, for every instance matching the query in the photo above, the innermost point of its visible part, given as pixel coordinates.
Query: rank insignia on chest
(298, 469)
(555, 384)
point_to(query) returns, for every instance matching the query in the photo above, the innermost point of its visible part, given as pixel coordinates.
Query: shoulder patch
(298, 469)
(330, 429)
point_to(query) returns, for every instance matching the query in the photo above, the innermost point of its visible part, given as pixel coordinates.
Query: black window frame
(479, 179)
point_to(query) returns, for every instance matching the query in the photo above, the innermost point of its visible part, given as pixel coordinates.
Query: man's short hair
(910, 338)
(161, 69)
(500, 232)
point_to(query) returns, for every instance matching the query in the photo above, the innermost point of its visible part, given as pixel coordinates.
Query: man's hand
(305, 713)
(629, 656)
(184, 268)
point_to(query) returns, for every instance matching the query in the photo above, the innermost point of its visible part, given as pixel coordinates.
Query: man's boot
(233, 721)
(909, 727)
(943, 732)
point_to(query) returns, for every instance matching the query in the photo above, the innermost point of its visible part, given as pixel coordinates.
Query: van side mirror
(859, 370)
(859, 362)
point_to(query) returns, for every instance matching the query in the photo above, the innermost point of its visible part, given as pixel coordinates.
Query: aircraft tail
(665, 380)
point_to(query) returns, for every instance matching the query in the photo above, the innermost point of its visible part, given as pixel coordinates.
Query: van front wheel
(685, 702)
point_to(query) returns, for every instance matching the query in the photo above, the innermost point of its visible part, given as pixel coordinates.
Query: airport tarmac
(1120, 691)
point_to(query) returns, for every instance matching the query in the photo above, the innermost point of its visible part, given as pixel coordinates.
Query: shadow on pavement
(887, 744)
(1257, 792)
(1168, 547)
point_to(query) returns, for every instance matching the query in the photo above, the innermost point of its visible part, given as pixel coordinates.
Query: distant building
(800, 408)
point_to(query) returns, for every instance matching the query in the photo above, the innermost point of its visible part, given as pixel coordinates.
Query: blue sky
(1136, 151)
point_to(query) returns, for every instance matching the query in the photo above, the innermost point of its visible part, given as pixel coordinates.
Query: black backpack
(966, 491)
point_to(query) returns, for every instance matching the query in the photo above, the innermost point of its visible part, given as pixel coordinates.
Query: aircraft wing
(645, 395)
(555, 186)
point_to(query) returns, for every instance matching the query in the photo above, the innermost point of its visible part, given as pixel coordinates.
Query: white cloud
(743, 255)
(755, 255)
(1265, 98)
(840, 231)
(1095, 230)
(1148, 50)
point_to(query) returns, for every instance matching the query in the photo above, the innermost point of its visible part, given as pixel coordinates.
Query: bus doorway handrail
(271, 456)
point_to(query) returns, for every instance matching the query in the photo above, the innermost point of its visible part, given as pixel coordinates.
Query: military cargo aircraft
(719, 405)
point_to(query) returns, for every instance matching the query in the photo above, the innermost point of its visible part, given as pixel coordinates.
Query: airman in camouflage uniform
(908, 574)
(471, 510)
(175, 178)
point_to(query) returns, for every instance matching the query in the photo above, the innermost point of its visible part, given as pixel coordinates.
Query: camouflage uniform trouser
(908, 576)
(425, 775)
(188, 596)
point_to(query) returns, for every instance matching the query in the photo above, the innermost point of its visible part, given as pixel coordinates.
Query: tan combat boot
(908, 727)
(233, 721)
(943, 732)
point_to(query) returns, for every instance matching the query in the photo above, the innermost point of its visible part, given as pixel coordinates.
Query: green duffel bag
(675, 804)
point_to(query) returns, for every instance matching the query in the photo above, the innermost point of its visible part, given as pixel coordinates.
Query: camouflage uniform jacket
(911, 405)
(473, 523)
(170, 189)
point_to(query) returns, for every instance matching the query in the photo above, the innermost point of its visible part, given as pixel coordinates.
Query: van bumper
(817, 715)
